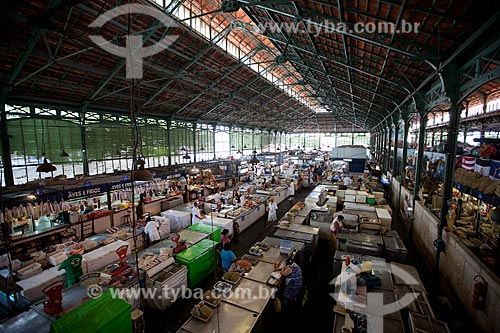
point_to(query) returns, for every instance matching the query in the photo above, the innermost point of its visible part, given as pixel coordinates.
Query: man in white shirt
(195, 212)
(347, 181)
(291, 191)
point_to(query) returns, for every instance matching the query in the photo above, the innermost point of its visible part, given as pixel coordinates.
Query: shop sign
(120, 186)
(86, 192)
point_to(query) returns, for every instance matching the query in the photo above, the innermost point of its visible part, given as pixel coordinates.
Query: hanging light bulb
(278, 148)
(239, 152)
(46, 166)
(186, 157)
(64, 153)
(183, 149)
(245, 147)
(232, 146)
(202, 148)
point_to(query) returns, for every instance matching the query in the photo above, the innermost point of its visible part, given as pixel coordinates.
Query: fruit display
(237, 269)
(256, 251)
(232, 277)
(245, 264)
(262, 246)
(210, 298)
(251, 259)
(202, 311)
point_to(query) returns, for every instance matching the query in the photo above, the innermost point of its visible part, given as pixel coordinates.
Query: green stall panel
(207, 229)
(200, 260)
(103, 314)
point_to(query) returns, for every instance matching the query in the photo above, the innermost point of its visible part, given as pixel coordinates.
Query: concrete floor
(316, 310)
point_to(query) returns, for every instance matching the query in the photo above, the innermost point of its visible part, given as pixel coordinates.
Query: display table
(103, 256)
(304, 229)
(219, 222)
(260, 272)
(168, 284)
(250, 217)
(178, 219)
(33, 286)
(226, 318)
(200, 260)
(298, 246)
(360, 243)
(279, 193)
(192, 237)
(251, 295)
(307, 239)
(391, 322)
(213, 232)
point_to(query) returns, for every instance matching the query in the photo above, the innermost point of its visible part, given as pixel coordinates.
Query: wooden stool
(138, 324)
(126, 220)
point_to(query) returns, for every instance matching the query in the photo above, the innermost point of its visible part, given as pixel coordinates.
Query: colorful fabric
(482, 166)
(495, 169)
(467, 163)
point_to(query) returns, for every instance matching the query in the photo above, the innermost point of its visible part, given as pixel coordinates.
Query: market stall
(213, 231)
(200, 260)
(168, 283)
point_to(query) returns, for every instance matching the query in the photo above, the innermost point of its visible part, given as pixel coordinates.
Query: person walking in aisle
(291, 191)
(272, 217)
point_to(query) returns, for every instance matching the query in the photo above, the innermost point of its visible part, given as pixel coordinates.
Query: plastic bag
(277, 305)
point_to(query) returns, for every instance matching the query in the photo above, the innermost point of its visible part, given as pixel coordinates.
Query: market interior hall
(249, 166)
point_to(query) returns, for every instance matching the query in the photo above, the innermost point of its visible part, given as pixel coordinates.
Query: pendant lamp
(46, 166)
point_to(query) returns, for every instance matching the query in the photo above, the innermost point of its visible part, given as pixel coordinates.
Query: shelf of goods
(296, 246)
(199, 259)
(169, 283)
(214, 231)
(368, 218)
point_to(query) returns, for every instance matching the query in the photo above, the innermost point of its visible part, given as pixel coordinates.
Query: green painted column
(214, 129)
(420, 156)
(395, 171)
(6, 159)
(451, 78)
(169, 140)
(85, 159)
(406, 125)
(194, 142)
(388, 147)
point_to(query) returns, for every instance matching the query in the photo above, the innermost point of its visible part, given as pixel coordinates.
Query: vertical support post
(352, 132)
(451, 79)
(169, 140)
(388, 148)
(214, 128)
(230, 141)
(420, 156)
(404, 159)
(395, 170)
(85, 159)
(6, 159)
(194, 142)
